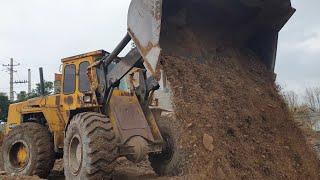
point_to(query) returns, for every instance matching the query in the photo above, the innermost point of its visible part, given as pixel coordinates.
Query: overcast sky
(41, 32)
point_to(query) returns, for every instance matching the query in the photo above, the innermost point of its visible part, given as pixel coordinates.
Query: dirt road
(125, 170)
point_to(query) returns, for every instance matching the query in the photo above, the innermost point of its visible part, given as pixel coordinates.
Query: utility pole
(10, 68)
(29, 81)
(11, 80)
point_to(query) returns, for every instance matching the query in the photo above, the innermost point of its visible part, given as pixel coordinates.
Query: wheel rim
(19, 155)
(75, 155)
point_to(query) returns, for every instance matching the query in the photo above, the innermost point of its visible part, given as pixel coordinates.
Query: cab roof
(93, 53)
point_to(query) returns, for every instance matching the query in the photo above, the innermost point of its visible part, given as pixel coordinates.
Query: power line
(1, 60)
(15, 61)
(5, 57)
(23, 65)
(21, 82)
(4, 88)
(17, 75)
(10, 69)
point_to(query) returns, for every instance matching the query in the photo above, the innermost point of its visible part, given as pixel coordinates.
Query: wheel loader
(105, 107)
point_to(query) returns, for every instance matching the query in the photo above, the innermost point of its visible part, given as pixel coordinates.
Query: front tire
(28, 150)
(90, 147)
(170, 161)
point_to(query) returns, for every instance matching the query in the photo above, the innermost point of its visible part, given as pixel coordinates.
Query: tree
(48, 89)
(291, 98)
(22, 96)
(4, 106)
(312, 98)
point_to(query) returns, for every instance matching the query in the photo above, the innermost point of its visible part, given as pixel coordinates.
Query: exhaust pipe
(42, 89)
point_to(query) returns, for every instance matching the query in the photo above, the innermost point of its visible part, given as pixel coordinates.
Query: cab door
(69, 86)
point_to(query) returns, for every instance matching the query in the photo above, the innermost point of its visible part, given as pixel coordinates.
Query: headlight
(87, 99)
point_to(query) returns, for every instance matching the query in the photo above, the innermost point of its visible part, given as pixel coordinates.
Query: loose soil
(232, 97)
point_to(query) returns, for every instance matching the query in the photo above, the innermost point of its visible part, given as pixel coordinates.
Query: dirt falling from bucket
(232, 99)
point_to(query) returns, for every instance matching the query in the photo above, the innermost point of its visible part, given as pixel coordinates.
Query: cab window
(69, 80)
(123, 82)
(84, 84)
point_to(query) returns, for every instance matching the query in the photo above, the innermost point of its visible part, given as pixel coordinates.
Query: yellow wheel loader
(103, 110)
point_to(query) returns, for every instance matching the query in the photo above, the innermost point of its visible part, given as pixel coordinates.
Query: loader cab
(76, 86)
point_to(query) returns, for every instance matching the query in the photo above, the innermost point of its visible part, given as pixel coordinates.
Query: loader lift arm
(123, 67)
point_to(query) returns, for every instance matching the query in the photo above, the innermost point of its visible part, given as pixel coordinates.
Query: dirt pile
(231, 102)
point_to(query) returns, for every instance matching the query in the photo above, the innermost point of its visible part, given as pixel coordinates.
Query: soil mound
(236, 125)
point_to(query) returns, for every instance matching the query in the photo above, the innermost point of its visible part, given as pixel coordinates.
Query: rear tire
(169, 162)
(90, 147)
(28, 150)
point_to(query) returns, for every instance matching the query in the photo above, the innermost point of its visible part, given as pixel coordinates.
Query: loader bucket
(199, 28)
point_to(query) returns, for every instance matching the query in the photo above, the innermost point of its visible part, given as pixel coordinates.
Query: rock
(189, 125)
(220, 174)
(195, 145)
(270, 105)
(3, 173)
(208, 142)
